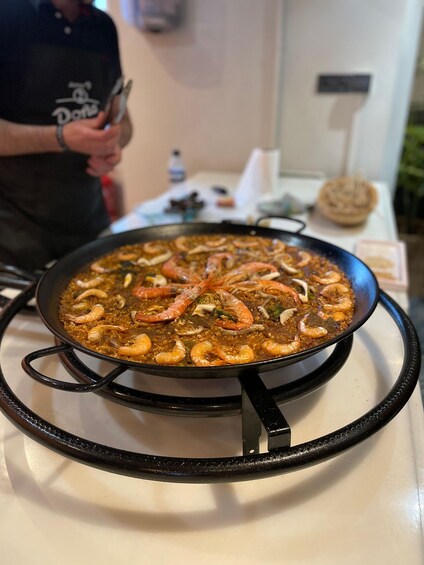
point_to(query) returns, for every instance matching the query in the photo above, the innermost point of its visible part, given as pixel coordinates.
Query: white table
(365, 506)
(381, 224)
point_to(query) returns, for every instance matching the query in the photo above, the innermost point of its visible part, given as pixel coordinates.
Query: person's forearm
(21, 139)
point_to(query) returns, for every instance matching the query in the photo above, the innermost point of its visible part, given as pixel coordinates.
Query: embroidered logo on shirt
(86, 107)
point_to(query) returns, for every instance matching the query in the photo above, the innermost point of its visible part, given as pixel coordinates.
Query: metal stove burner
(257, 405)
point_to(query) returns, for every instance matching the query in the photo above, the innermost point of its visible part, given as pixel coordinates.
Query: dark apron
(49, 205)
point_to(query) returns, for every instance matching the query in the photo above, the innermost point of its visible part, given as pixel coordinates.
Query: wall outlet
(340, 84)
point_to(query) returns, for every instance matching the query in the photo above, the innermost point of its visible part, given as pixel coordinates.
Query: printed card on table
(387, 260)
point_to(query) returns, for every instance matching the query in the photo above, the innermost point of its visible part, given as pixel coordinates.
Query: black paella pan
(54, 281)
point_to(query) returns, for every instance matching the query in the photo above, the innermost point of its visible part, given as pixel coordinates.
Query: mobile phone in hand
(122, 103)
(123, 98)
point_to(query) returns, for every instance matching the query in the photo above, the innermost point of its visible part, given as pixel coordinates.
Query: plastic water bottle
(176, 168)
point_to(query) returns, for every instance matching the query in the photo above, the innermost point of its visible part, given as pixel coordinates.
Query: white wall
(345, 133)
(215, 90)
(208, 89)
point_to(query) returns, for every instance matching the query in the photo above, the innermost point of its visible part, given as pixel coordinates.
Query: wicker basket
(347, 200)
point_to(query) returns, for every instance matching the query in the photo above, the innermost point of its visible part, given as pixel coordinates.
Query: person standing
(60, 72)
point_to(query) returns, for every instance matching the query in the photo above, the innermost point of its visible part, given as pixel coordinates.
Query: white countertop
(380, 225)
(364, 506)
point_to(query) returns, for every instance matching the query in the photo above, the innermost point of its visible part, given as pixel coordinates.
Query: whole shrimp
(245, 271)
(244, 317)
(215, 263)
(272, 287)
(172, 270)
(177, 308)
(157, 291)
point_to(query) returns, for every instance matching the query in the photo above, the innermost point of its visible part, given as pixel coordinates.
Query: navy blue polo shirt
(52, 71)
(79, 59)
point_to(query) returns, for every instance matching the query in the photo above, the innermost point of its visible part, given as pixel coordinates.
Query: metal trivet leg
(260, 410)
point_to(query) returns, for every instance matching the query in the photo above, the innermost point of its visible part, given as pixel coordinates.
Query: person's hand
(101, 165)
(87, 136)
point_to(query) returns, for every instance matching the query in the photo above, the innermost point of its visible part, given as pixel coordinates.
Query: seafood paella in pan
(207, 300)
